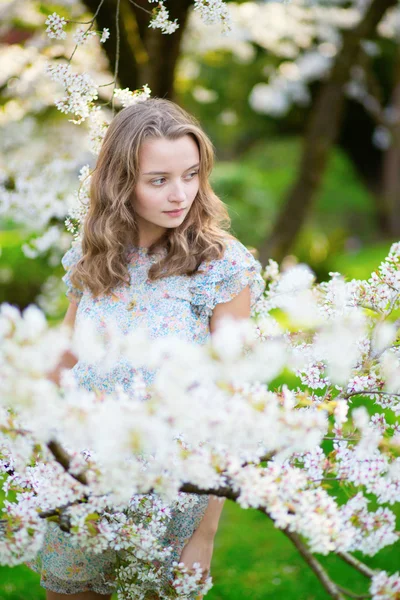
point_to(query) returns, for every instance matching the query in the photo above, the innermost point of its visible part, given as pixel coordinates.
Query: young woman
(155, 251)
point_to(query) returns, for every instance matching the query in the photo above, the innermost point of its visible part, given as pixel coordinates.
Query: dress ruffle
(221, 280)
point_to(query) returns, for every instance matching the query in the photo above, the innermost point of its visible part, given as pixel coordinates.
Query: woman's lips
(174, 213)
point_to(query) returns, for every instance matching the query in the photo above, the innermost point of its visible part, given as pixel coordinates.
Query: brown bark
(321, 133)
(146, 55)
(390, 201)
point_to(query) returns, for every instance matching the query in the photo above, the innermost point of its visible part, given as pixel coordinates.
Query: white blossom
(81, 36)
(385, 586)
(104, 35)
(55, 26)
(160, 20)
(80, 90)
(127, 97)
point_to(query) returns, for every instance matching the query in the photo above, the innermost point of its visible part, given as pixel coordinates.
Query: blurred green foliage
(21, 278)
(227, 116)
(336, 235)
(255, 186)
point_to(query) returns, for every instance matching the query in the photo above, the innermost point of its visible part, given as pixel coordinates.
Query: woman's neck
(147, 236)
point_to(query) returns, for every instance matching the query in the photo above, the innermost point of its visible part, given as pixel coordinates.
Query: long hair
(110, 225)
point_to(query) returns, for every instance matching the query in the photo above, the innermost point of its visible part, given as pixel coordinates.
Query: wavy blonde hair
(110, 226)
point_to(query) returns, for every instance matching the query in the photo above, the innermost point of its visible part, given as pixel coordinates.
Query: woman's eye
(192, 175)
(158, 181)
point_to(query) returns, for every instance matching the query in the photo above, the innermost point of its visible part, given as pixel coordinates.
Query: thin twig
(90, 23)
(117, 49)
(357, 564)
(329, 479)
(370, 392)
(336, 439)
(351, 594)
(55, 512)
(141, 7)
(93, 18)
(369, 307)
(266, 458)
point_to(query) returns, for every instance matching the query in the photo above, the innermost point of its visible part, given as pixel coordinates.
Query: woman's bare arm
(70, 315)
(199, 548)
(68, 360)
(238, 308)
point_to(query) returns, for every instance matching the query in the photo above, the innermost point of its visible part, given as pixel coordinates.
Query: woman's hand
(68, 360)
(198, 549)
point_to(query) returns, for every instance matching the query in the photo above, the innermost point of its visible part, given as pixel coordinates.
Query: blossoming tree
(117, 492)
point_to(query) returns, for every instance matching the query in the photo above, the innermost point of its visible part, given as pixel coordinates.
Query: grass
(252, 559)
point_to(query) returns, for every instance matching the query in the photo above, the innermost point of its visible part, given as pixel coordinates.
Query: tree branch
(330, 586)
(222, 492)
(335, 591)
(357, 564)
(62, 457)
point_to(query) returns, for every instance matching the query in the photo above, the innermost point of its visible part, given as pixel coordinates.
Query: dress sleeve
(68, 261)
(222, 279)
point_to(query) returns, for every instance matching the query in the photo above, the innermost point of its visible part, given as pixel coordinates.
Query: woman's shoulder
(235, 257)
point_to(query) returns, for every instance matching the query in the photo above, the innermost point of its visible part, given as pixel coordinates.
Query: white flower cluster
(214, 11)
(188, 582)
(49, 298)
(385, 586)
(81, 91)
(41, 244)
(105, 34)
(82, 35)
(55, 29)
(55, 26)
(160, 19)
(127, 97)
(77, 213)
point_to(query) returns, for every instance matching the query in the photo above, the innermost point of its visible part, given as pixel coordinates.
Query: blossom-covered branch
(162, 455)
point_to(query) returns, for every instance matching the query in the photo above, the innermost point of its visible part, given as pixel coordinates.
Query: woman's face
(168, 180)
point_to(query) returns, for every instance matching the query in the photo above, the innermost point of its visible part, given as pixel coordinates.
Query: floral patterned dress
(180, 305)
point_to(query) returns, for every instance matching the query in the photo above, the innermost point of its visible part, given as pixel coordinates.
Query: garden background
(308, 164)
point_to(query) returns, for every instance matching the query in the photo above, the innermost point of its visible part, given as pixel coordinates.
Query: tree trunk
(390, 199)
(321, 133)
(146, 55)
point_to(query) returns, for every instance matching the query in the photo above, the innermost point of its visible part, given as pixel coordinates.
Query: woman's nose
(178, 192)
